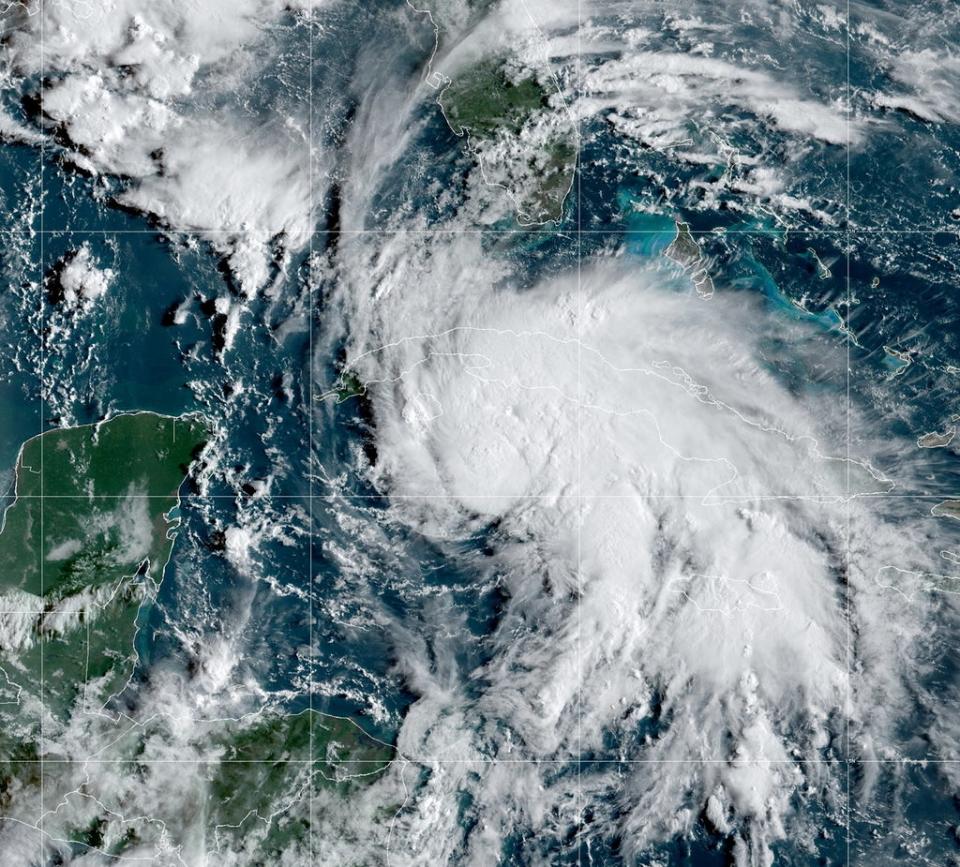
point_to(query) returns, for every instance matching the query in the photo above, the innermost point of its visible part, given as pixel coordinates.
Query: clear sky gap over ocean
(471, 432)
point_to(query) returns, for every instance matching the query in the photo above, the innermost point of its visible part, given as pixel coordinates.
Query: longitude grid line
(845, 233)
(310, 313)
(42, 360)
(579, 811)
(847, 569)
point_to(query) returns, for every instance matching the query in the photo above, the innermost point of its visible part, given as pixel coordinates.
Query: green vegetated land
(251, 787)
(83, 546)
(349, 385)
(483, 100)
(263, 781)
(84, 541)
(259, 783)
(486, 102)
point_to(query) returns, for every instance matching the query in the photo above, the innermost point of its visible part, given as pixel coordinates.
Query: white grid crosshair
(576, 237)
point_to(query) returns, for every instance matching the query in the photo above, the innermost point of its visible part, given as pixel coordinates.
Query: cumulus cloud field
(707, 605)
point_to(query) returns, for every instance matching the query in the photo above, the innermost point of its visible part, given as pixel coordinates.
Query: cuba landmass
(83, 549)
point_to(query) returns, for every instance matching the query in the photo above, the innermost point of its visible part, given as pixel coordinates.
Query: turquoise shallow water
(869, 291)
(141, 360)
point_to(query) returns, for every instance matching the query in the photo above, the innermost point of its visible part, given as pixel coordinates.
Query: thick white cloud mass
(583, 386)
(661, 88)
(82, 282)
(917, 51)
(699, 596)
(683, 546)
(143, 91)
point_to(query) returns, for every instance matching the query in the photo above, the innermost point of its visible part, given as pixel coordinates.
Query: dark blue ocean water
(900, 294)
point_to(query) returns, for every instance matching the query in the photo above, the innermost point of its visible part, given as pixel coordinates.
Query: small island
(686, 252)
(937, 440)
(947, 509)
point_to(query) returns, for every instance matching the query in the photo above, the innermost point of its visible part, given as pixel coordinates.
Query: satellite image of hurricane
(480, 432)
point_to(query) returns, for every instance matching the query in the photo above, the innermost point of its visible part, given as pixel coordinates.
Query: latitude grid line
(724, 500)
(846, 233)
(720, 231)
(911, 762)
